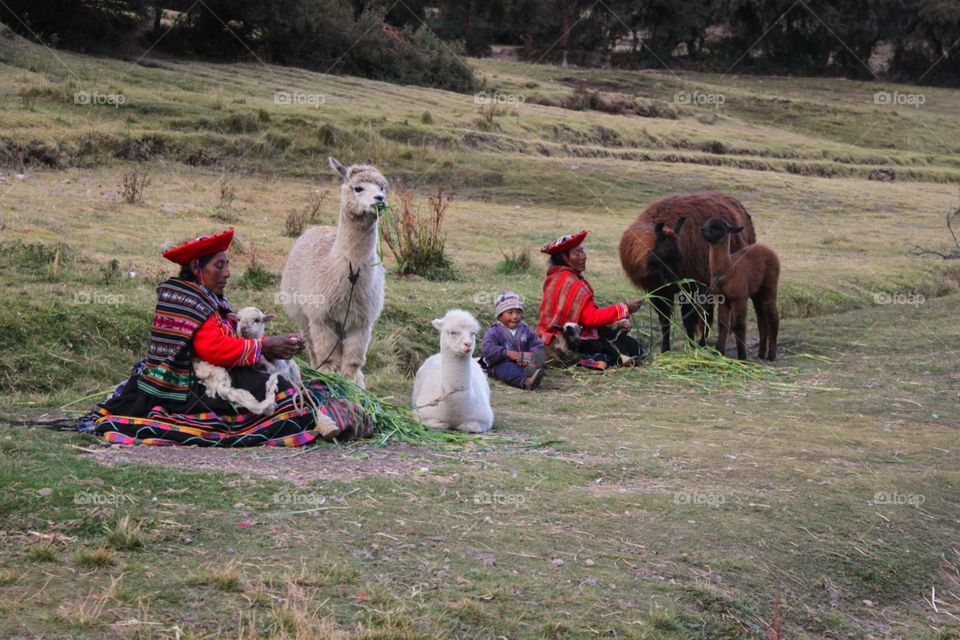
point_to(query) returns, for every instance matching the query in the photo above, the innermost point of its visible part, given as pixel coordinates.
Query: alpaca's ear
(733, 229)
(679, 224)
(438, 324)
(270, 317)
(369, 161)
(233, 317)
(337, 166)
(658, 229)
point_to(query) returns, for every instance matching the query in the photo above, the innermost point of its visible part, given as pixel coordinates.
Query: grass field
(819, 498)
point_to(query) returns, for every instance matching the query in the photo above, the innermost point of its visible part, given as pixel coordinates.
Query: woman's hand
(634, 305)
(282, 347)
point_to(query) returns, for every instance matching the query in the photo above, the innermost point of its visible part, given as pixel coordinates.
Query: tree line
(423, 41)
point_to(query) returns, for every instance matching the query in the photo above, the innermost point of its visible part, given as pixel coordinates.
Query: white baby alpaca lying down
(451, 391)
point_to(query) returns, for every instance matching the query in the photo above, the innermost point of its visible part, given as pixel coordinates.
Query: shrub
(293, 225)
(132, 185)
(515, 263)
(257, 278)
(416, 239)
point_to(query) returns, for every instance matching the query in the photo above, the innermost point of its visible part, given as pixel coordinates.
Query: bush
(515, 263)
(417, 240)
(257, 278)
(132, 184)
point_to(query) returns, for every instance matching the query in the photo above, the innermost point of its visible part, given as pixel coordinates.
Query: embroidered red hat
(564, 243)
(199, 247)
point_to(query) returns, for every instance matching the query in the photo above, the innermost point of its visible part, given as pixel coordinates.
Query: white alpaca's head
(251, 322)
(458, 332)
(364, 189)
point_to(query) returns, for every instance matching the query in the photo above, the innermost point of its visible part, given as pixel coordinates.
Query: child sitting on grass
(513, 352)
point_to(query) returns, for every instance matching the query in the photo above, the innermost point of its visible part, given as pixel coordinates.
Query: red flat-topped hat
(564, 243)
(199, 247)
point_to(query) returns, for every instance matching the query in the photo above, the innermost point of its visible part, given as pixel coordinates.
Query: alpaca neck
(456, 370)
(355, 242)
(720, 258)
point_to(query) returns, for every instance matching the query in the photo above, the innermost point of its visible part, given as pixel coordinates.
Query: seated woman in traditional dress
(568, 298)
(163, 402)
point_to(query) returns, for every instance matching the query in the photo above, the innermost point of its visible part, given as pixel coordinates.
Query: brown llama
(752, 272)
(654, 261)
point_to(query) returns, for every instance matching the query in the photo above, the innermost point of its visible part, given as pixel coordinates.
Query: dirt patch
(295, 465)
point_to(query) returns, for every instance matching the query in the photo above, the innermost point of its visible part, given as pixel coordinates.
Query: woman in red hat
(568, 297)
(163, 402)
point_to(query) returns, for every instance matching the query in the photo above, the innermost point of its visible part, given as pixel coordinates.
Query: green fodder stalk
(706, 368)
(391, 422)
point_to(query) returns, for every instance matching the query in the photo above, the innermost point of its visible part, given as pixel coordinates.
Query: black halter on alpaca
(341, 326)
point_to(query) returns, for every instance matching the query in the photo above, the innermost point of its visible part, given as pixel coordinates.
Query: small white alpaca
(332, 284)
(451, 391)
(251, 324)
(216, 380)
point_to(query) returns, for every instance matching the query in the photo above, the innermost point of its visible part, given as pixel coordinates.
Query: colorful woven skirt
(287, 426)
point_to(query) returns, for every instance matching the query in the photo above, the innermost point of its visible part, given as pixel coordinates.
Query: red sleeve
(592, 316)
(215, 343)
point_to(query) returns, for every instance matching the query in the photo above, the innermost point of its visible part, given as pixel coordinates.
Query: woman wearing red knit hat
(163, 402)
(568, 297)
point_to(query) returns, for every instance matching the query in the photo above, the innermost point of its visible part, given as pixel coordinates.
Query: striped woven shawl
(182, 307)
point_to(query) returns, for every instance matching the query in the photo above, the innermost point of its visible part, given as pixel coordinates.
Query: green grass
(695, 497)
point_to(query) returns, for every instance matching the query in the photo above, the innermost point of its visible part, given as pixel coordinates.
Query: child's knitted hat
(507, 300)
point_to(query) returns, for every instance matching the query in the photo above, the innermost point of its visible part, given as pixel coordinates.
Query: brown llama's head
(665, 258)
(716, 229)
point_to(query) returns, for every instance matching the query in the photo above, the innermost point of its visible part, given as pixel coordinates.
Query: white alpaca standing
(451, 390)
(326, 263)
